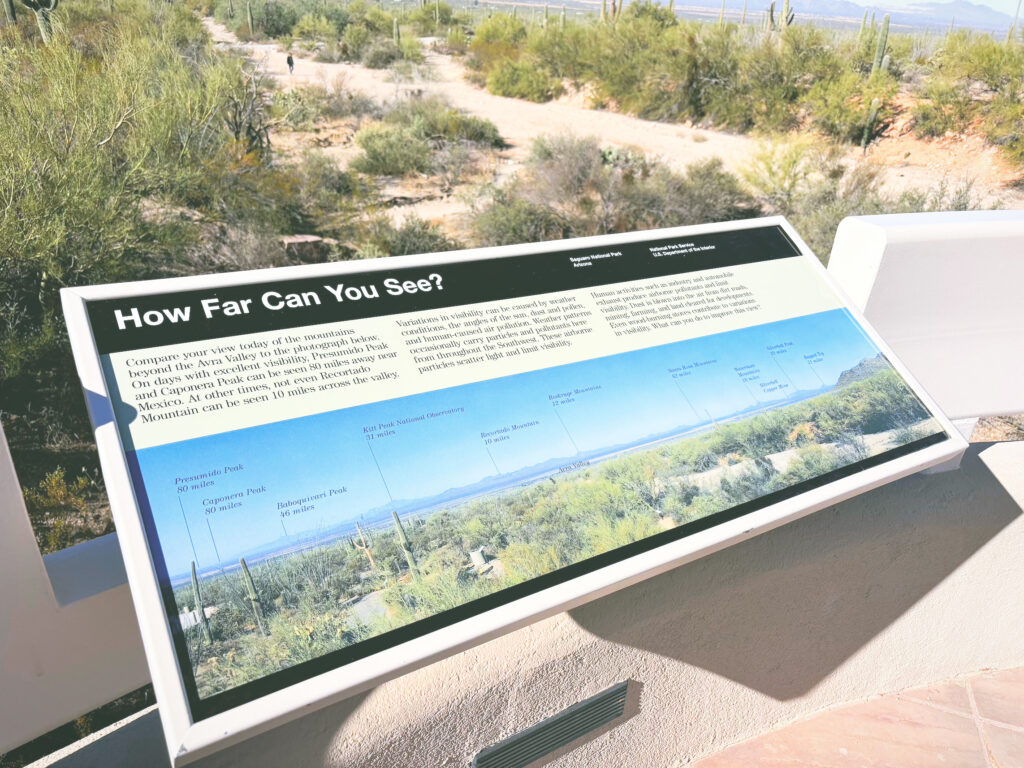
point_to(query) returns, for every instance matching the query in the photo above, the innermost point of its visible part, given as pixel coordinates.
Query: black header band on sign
(156, 320)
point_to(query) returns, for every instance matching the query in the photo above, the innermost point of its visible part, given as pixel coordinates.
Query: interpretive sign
(325, 475)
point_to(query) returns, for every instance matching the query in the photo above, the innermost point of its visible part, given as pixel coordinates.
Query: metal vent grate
(549, 735)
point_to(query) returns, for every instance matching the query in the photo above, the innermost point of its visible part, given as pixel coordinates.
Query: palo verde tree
(42, 10)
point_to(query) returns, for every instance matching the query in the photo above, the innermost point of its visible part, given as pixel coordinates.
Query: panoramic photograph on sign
(327, 466)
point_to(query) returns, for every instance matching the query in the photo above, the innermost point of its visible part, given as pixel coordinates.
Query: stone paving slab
(977, 722)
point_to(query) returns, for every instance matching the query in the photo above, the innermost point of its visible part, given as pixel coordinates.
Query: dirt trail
(518, 121)
(909, 163)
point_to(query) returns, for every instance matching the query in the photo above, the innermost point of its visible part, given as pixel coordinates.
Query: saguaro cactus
(42, 9)
(869, 126)
(396, 35)
(403, 541)
(362, 546)
(12, 17)
(604, 11)
(254, 598)
(200, 608)
(561, 18)
(248, 17)
(883, 41)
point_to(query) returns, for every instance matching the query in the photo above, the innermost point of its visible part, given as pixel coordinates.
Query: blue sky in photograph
(622, 399)
(1004, 6)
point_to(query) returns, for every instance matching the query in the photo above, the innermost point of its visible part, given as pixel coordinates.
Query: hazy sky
(636, 396)
(1006, 6)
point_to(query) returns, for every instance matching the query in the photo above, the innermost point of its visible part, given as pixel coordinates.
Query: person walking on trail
(291, 65)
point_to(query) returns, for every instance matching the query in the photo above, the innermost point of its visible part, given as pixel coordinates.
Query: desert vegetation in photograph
(249, 621)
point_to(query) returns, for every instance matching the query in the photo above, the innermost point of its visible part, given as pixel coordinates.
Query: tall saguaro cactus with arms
(42, 9)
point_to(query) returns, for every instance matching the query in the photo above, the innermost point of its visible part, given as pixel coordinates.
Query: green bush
(337, 15)
(433, 16)
(277, 19)
(391, 150)
(1004, 126)
(947, 108)
(354, 41)
(314, 27)
(506, 218)
(562, 51)
(379, 53)
(573, 187)
(456, 41)
(499, 28)
(816, 187)
(841, 107)
(433, 118)
(522, 80)
(382, 238)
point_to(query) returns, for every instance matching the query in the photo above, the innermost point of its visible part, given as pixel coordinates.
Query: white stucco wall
(913, 583)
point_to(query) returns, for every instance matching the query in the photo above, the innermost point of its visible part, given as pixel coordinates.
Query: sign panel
(323, 476)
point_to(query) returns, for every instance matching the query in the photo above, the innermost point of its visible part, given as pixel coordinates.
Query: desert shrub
(499, 28)
(302, 107)
(779, 171)
(496, 40)
(410, 50)
(431, 17)
(562, 51)
(811, 461)
(60, 512)
(966, 55)
(756, 479)
(314, 27)
(277, 19)
(506, 217)
(877, 404)
(432, 117)
(522, 80)
(588, 190)
(456, 42)
(855, 190)
(382, 238)
(626, 55)
(324, 190)
(391, 150)
(354, 41)
(946, 108)
(379, 53)
(841, 107)
(1004, 126)
(607, 533)
(337, 15)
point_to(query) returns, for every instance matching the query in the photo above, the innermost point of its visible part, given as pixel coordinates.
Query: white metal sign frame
(189, 739)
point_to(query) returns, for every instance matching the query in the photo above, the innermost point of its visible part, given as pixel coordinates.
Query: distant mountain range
(837, 13)
(917, 16)
(381, 515)
(865, 369)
